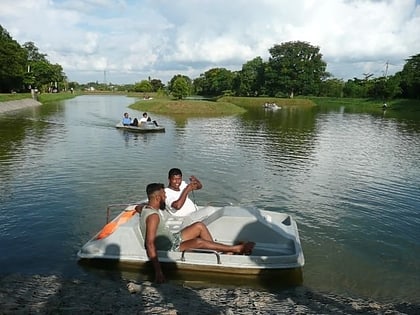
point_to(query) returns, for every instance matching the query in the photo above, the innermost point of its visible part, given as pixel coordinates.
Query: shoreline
(18, 104)
(52, 294)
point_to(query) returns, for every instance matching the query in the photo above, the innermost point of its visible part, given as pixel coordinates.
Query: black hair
(174, 172)
(153, 187)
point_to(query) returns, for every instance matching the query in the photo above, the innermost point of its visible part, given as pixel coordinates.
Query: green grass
(223, 106)
(14, 97)
(365, 104)
(54, 97)
(168, 106)
(43, 98)
(259, 101)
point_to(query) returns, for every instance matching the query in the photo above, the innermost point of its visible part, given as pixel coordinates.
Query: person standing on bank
(177, 200)
(157, 236)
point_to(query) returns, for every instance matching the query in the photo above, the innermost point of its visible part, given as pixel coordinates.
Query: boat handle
(219, 262)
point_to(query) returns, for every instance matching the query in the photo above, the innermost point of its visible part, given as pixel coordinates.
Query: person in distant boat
(145, 119)
(157, 236)
(177, 200)
(126, 121)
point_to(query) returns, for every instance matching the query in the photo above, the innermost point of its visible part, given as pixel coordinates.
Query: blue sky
(122, 41)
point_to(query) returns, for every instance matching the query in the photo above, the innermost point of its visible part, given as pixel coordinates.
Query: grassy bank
(167, 106)
(247, 102)
(14, 97)
(223, 106)
(43, 98)
(54, 97)
(364, 104)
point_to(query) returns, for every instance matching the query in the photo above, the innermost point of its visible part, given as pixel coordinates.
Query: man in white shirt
(143, 119)
(146, 119)
(177, 200)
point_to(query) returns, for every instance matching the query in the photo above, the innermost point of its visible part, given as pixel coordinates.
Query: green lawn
(43, 98)
(13, 97)
(187, 107)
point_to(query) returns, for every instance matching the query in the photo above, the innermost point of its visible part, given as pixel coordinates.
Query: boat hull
(267, 278)
(149, 127)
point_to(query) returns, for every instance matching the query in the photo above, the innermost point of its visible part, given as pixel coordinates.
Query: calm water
(352, 182)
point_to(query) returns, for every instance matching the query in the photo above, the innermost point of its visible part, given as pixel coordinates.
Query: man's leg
(196, 230)
(198, 236)
(198, 243)
(135, 122)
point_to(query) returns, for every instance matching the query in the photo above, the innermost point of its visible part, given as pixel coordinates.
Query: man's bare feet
(245, 248)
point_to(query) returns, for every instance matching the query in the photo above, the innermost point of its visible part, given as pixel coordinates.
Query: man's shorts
(177, 241)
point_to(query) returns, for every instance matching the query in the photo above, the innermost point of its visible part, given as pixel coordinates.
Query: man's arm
(152, 223)
(177, 204)
(196, 182)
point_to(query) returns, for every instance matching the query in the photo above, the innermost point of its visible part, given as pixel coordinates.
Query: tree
(294, 68)
(355, 88)
(33, 53)
(410, 77)
(180, 87)
(12, 63)
(198, 85)
(217, 81)
(41, 73)
(384, 88)
(156, 85)
(251, 78)
(143, 86)
(331, 87)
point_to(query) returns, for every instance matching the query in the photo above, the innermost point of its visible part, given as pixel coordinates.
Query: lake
(351, 181)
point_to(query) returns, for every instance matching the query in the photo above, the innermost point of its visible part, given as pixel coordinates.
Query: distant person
(145, 119)
(126, 121)
(157, 236)
(177, 200)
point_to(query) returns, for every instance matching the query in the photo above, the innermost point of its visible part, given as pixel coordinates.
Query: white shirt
(143, 120)
(173, 195)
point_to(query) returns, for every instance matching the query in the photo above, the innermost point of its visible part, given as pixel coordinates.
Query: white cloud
(132, 40)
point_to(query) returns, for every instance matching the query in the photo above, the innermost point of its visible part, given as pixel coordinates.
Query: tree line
(294, 68)
(23, 67)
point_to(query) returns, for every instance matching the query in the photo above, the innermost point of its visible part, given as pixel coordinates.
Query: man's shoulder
(148, 211)
(169, 189)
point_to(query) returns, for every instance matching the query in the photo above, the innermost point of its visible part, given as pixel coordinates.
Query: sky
(126, 41)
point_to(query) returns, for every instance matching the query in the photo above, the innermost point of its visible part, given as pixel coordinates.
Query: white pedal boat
(276, 236)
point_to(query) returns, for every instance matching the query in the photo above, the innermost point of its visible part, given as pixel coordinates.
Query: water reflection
(136, 136)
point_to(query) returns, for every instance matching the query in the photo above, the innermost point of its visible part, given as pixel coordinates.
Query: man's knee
(200, 225)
